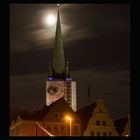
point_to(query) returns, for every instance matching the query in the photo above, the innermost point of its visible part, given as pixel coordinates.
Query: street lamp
(69, 118)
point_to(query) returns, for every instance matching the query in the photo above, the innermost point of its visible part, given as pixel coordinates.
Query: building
(123, 126)
(59, 83)
(96, 120)
(61, 100)
(51, 120)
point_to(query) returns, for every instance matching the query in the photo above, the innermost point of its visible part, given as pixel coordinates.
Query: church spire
(58, 54)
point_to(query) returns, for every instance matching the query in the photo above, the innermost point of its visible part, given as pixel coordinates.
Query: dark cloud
(113, 87)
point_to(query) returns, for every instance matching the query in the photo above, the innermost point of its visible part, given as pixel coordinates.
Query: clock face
(55, 90)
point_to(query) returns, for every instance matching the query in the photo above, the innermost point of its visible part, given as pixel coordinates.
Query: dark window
(49, 128)
(110, 134)
(18, 129)
(97, 122)
(98, 133)
(68, 130)
(62, 130)
(104, 134)
(104, 123)
(60, 116)
(100, 110)
(55, 130)
(92, 133)
(56, 114)
(75, 130)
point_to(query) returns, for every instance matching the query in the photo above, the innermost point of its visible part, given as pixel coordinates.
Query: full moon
(50, 20)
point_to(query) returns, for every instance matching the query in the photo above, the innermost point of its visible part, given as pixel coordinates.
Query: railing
(46, 131)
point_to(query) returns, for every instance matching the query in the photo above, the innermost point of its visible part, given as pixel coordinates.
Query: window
(97, 122)
(62, 130)
(60, 116)
(56, 114)
(12, 131)
(68, 130)
(98, 133)
(92, 133)
(100, 110)
(104, 134)
(76, 130)
(104, 123)
(110, 134)
(56, 132)
(18, 129)
(49, 128)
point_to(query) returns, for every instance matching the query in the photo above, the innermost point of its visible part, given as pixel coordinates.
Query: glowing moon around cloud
(50, 20)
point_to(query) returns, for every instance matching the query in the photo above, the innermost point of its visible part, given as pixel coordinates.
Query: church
(60, 100)
(59, 116)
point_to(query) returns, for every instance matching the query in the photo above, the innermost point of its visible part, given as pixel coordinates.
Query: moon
(50, 20)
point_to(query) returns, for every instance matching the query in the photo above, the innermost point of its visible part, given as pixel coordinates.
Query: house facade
(96, 120)
(50, 120)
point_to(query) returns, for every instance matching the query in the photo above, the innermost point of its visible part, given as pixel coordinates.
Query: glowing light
(50, 78)
(58, 5)
(68, 79)
(68, 118)
(50, 19)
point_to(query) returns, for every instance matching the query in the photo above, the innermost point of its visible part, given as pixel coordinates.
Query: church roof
(39, 115)
(58, 54)
(85, 114)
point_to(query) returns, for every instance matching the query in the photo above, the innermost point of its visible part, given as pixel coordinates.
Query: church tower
(59, 83)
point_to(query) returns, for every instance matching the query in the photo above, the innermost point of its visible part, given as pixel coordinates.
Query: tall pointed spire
(58, 54)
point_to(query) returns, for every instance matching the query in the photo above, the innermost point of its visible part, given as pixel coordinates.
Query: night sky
(96, 39)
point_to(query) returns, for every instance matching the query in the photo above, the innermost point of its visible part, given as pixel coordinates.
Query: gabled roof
(85, 114)
(12, 124)
(120, 124)
(39, 115)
